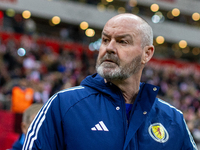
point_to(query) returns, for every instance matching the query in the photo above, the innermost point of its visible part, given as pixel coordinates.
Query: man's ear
(24, 127)
(148, 53)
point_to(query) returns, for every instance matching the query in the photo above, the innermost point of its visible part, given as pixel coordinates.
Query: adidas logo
(100, 127)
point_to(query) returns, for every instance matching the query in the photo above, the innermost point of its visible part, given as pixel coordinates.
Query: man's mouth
(108, 60)
(108, 63)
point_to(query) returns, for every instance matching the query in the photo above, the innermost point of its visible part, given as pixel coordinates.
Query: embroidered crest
(158, 132)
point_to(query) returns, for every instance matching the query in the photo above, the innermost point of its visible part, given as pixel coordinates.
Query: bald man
(112, 109)
(28, 116)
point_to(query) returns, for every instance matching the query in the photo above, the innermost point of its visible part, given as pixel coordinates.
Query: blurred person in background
(112, 109)
(28, 117)
(22, 98)
(41, 95)
(29, 26)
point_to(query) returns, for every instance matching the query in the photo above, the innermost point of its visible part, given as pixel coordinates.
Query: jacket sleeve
(45, 132)
(188, 143)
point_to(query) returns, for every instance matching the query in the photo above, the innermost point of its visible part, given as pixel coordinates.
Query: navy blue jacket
(92, 116)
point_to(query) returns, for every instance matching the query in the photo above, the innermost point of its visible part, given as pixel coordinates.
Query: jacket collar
(141, 108)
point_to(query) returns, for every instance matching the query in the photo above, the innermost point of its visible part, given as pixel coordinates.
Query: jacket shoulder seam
(169, 105)
(77, 103)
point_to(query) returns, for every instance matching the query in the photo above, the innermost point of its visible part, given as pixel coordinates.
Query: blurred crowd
(47, 72)
(43, 69)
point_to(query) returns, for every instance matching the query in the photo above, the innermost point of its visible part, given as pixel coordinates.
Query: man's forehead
(124, 22)
(118, 35)
(126, 18)
(120, 28)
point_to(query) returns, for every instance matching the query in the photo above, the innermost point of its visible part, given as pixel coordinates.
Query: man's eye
(105, 40)
(123, 42)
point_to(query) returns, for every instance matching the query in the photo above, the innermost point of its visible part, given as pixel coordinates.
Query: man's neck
(129, 88)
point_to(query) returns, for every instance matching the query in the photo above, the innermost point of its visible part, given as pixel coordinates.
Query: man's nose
(111, 47)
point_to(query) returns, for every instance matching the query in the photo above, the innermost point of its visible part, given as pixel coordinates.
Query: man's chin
(106, 73)
(107, 70)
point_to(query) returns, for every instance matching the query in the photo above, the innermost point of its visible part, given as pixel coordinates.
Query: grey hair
(146, 33)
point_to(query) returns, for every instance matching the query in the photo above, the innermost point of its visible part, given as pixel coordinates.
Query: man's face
(120, 53)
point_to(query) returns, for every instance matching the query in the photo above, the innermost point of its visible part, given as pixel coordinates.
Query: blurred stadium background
(53, 45)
